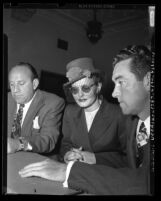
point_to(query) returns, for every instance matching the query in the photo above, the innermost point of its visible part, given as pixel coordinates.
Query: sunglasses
(84, 88)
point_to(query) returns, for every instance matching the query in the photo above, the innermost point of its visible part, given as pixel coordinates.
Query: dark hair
(31, 68)
(140, 59)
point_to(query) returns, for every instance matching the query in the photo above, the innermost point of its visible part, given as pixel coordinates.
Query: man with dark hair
(131, 76)
(34, 116)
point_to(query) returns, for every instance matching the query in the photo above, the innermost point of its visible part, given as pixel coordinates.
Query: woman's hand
(72, 156)
(88, 157)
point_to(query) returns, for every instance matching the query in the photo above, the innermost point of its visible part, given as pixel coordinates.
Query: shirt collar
(147, 124)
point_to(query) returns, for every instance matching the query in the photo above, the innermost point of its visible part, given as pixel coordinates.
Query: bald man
(42, 112)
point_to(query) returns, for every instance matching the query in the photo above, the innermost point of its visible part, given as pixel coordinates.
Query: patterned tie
(142, 139)
(16, 127)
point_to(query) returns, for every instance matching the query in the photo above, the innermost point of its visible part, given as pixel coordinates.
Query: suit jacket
(105, 134)
(116, 180)
(48, 108)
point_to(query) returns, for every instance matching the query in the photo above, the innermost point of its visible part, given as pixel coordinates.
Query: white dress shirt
(147, 125)
(89, 117)
(141, 137)
(69, 166)
(25, 109)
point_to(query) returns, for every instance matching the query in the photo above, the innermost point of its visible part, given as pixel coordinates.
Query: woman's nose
(80, 92)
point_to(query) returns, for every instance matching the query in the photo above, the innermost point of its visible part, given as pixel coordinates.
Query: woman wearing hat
(91, 127)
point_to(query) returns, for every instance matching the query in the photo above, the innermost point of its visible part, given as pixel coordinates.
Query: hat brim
(68, 84)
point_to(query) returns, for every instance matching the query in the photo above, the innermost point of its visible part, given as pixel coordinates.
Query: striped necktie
(16, 127)
(142, 139)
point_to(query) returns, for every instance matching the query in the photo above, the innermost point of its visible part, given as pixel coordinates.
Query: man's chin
(18, 101)
(125, 111)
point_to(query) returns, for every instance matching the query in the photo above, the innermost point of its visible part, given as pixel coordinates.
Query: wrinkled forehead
(84, 81)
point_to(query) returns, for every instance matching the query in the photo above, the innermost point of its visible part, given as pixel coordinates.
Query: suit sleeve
(105, 180)
(118, 178)
(116, 158)
(43, 140)
(113, 159)
(66, 143)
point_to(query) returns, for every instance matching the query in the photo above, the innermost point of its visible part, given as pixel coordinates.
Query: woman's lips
(82, 100)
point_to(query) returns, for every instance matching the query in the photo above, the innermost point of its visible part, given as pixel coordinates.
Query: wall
(106, 49)
(36, 42)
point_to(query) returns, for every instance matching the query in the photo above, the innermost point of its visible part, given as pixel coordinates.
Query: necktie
(142, 139)
(16, 127)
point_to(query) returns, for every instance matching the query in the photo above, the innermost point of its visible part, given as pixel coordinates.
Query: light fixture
(94, 29)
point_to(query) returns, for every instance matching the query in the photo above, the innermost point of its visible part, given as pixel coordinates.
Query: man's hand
(12, 145)
(88, 157)
(48, 169)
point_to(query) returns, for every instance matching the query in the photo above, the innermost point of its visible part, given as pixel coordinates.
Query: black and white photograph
(78, 99)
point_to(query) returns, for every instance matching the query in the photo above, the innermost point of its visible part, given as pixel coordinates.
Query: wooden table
(32, 185)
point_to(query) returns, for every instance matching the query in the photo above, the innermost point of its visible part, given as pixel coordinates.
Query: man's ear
(147, 81)
(35, 83)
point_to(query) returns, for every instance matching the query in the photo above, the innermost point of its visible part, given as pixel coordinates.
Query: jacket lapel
(35, 106)
(12, 108)
(94, 132)
(82, 134)
(131, 143)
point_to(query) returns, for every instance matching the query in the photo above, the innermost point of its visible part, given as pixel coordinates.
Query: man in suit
(41, 117)
(131, 76)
